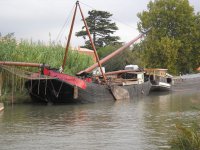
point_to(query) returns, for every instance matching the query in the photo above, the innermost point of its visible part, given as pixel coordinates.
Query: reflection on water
(140, 124)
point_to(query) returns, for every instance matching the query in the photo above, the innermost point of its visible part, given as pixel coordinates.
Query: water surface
(140, 124)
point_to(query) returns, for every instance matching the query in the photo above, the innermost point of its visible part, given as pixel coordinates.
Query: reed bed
(51, 54)
(37, 52)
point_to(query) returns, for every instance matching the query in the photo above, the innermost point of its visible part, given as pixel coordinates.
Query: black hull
(57, 91)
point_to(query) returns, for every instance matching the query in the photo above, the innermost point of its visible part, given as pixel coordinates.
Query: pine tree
(101, 29)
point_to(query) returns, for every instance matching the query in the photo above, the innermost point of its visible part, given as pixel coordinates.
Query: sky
(44, 19)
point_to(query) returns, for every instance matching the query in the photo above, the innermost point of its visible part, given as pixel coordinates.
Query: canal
(141, 124)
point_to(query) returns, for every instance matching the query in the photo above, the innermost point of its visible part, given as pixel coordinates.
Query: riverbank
(17, 98)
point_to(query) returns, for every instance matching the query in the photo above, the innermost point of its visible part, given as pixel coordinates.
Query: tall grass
(51, 54)
(24, 51)
(187, 138)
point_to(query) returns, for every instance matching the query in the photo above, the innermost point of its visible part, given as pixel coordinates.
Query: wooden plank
(119, 93)
(75, 92)
(122, 71)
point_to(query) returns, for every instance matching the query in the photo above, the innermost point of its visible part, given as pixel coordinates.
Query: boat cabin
(158, 75)
(122, 77)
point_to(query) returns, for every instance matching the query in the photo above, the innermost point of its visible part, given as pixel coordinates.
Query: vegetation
(50, 54)
(120, 61)
(187, 138)
(173, 41)
(23, 51)
(101, 28)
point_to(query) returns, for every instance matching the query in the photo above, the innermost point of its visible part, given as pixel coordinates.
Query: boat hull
(58, 91)
(183, 83)
(158, 88)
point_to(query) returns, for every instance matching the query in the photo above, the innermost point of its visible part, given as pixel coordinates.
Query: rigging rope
(60, 34)
(128, 25)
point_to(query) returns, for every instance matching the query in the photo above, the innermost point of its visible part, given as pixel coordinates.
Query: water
(142, 124)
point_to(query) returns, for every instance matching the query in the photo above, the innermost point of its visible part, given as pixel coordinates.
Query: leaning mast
(90, 38)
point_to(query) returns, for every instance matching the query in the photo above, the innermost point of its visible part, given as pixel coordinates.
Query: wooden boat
(162, 81)
(70, 89)
(63, 88)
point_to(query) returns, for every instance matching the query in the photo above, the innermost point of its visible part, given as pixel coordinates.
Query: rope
(54, 91)
(60, 34)
(110, 17)
(59, 89)
(45, 91)
(38, 87)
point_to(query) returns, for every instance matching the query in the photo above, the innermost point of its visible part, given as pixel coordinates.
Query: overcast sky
(35, 19)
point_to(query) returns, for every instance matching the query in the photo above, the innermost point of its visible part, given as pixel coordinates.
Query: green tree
(170, 42)
(101, 29)
(196, 44)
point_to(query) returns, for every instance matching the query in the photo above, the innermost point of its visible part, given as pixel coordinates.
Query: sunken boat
(63, 88)
(52, 85)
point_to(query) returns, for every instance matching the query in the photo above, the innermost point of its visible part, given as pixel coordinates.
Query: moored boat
(162, 81)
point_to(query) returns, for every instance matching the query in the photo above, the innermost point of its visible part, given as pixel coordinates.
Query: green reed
(51, 54)
(186, 138)
(37, 52)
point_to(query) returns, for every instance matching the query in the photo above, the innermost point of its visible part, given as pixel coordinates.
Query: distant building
(198, 69)
(86, 51)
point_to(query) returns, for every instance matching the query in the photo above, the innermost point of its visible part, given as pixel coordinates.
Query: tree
(196, 44)
(119, 61)
(101, 28)
(170, 42)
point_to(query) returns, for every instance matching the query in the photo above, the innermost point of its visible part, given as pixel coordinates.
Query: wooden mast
(105, 59)
(92, 43)
(89, 35)
(69, 37)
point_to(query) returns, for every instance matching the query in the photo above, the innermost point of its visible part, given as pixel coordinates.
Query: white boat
(162, 81)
